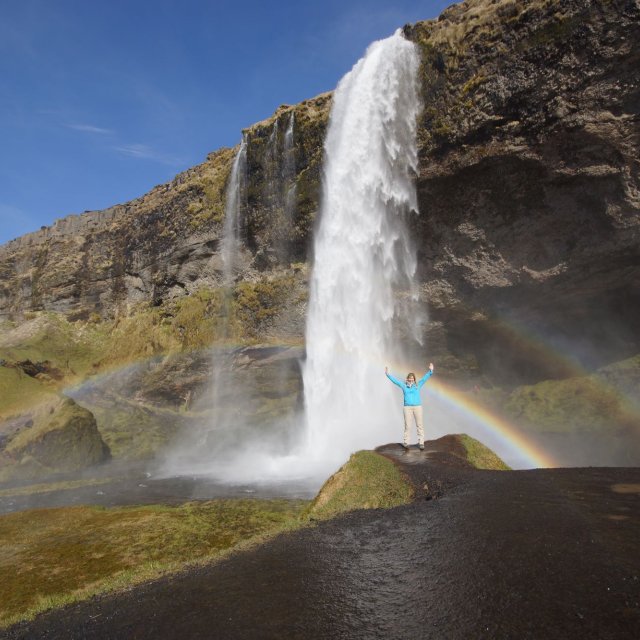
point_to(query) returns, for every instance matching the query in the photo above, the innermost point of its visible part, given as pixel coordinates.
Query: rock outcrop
(142, 408)
(59, 436)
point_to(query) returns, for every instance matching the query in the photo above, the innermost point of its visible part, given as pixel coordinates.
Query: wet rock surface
(521, 554)
(134, 486)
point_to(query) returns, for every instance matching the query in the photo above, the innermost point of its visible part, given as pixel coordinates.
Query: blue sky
(100, 100)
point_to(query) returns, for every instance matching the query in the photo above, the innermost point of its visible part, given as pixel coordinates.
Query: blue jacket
(411, 391)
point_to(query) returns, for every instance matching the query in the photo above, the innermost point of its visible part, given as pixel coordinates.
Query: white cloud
(145, 152)
(89, 128)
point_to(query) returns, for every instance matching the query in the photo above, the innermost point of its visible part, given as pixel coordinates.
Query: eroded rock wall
(166, 244)
(529, 185)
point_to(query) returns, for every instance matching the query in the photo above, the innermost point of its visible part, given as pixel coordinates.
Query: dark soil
(479, 554)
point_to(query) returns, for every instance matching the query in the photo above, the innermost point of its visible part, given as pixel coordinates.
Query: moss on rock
(62, 437)
(367, 481)
(572, 405)
(480, 456)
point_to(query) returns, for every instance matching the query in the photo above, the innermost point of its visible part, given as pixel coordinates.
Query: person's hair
(411, 375)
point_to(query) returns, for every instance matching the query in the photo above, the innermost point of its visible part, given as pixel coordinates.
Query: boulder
(60, 437)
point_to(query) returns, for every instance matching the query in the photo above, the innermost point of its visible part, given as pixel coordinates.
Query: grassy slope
(50, 557)
(79, 349)
(479, 456)
(367, 481)
(604, 401)
(19, 391)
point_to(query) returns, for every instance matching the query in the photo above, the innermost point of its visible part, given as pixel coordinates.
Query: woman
(412, 406)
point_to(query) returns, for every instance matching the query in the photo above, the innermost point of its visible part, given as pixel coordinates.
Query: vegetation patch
(48, 487)
(19, 391)
(367, 481)
(259, 302)
(140, 335)
(60, 437)
(571, 405)
(479, 456)
(210, 189)
(51, 557)
(69, 347)
(199, 319)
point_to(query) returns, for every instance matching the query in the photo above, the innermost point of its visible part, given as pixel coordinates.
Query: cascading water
(364, 258)
(289, 171)
(236, 195)
(279, 188)
(362, 276)
(234, 204)
(194, 453)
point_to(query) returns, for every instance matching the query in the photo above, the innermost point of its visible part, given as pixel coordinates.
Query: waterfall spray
(364, 258)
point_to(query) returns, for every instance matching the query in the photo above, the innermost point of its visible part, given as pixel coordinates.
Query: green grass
(574, 404)
(71, 347)
(367, 481)
(479, 456)
(50, 557)
(47, 487)
(18, 391)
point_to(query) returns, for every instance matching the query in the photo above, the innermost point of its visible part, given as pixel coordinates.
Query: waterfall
(279, 188)
(364, 258)
(271, 186)
(361, 291)
(230, 252)
(289, 172)
(235, 199)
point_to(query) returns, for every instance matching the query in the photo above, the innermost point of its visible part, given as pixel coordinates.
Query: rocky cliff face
(166, 244)
(529, 194)
(529, 184)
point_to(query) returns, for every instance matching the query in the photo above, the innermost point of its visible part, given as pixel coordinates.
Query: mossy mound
(60, 437)
(480, 456)
(603, 402)
(367, 481)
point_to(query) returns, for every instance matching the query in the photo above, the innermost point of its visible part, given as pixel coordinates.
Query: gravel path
(479, 554)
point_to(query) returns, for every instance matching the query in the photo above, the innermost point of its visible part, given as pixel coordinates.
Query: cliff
(529, 185)
(166, 244)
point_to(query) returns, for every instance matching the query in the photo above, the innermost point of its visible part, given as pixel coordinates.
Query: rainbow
(491, 424)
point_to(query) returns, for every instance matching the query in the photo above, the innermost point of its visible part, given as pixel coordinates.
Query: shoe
(405, 447)
(421, 447)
